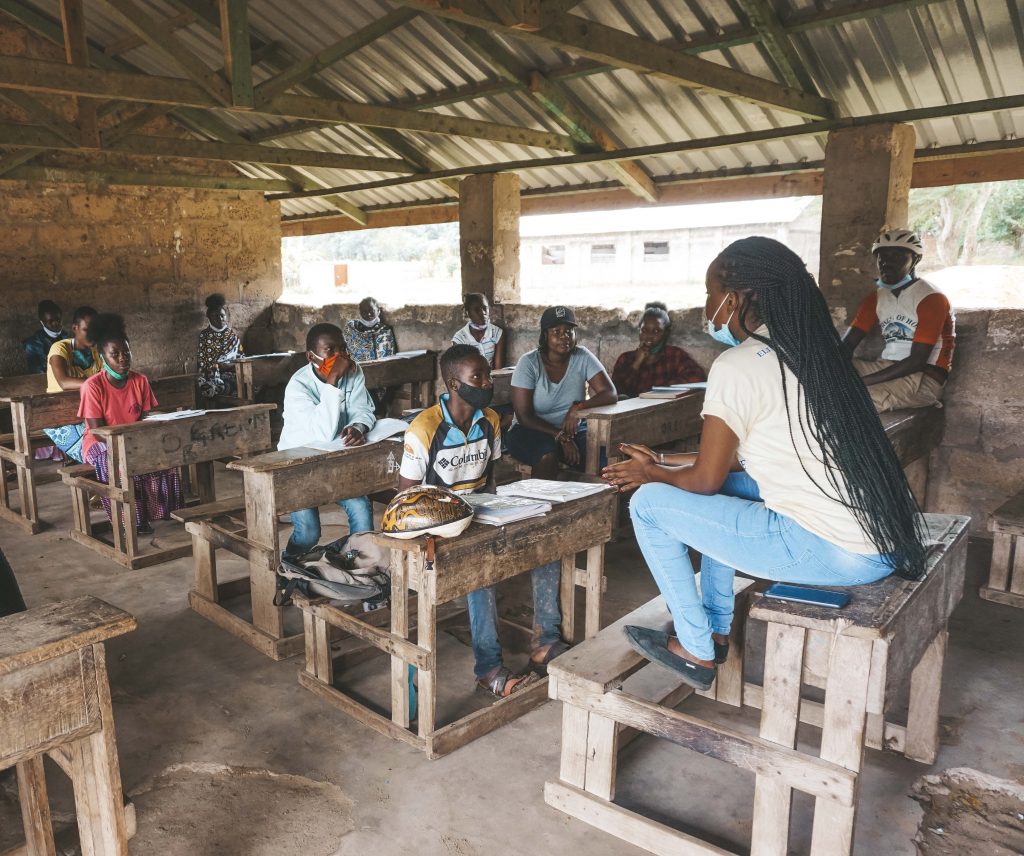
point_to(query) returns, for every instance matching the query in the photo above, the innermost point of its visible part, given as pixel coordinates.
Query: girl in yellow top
(69, 364)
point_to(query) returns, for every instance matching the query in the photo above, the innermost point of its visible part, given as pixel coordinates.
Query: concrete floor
(224, 753)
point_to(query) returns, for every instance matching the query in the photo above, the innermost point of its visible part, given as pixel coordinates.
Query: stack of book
(498, 510)
(550, 491)
(676, 390)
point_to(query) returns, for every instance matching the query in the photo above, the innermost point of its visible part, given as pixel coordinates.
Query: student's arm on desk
(60, 372)
(705, 475)
(359, 403)
(320, 419)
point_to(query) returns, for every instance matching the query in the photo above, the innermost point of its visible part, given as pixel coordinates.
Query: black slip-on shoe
(653, 644)
(721, 651)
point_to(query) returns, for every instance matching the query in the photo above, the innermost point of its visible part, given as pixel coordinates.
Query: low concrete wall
(979, 465)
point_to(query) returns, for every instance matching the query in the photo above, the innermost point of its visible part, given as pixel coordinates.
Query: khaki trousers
(915, 390)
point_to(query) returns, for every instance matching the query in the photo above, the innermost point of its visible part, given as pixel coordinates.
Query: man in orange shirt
(916, 321)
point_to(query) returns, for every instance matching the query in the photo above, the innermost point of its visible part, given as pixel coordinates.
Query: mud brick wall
(152, 254)
(978, 466)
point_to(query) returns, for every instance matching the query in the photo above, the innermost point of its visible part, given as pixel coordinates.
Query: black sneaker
(144, 529)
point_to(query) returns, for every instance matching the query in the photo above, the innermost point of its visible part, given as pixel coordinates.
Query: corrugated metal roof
(912, 56)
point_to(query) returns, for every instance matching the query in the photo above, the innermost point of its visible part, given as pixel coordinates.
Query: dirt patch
(194, 809)
(969, 812)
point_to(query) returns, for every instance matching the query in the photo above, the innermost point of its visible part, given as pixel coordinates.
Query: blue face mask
(723, 335)
(892, 286)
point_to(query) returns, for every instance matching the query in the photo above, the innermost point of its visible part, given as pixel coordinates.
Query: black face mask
(475, 396)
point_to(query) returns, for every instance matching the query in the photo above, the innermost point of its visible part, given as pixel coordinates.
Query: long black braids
(833, 404)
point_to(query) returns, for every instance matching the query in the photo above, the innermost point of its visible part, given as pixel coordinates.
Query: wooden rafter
(153, 31)
(129, 43)
(146, 179)
(55, 78)
(305, 68)
(776, 41)
(234, 31)
(593, 40)
(39, 112)
(988, 105)
(76, 48)
(559, 104)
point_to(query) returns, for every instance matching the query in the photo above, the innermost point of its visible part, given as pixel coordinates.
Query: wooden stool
(862, 656)
(55, 700)
(1006, 577)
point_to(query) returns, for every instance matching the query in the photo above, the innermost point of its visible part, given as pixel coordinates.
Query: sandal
(505, 683)
(555, 649)
(721, 651)
(653, 644)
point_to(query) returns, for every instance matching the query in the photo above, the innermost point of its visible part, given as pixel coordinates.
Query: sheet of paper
(177, 414)
(381, 431)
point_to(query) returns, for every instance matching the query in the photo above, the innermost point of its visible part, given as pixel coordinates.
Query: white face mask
(373, 322)
(49, 332)
(218, 329)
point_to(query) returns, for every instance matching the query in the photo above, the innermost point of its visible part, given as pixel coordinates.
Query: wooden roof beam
(147, 179)
(616, 48)
(40, 113)
(777, 42)
(234, 32)
(76, 48)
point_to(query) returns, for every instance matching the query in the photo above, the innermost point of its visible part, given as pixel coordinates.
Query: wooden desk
(258, 371)
(481, 556)
(277, 483)
(419, 371)
(55, 700)
(501, 379)
(149, 446)
(32, 410)
(649, 421)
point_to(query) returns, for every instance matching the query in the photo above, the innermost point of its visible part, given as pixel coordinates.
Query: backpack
(353, 569)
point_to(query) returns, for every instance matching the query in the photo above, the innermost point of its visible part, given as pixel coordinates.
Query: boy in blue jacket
(326, 400)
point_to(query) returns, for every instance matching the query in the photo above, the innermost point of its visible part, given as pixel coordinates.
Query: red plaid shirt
(673, 365)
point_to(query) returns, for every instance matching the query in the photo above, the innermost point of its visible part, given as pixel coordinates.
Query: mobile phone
(802, 594)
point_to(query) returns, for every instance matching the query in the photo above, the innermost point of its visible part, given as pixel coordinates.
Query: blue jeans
(306, 523)
(483, 617)
(732, 529)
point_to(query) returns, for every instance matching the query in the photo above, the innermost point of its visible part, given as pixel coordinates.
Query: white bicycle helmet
(903, 239)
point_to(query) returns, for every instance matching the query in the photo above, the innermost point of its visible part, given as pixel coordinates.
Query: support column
(866, 187)
(489, 235)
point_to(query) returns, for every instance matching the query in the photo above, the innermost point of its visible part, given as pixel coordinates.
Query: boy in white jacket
(323, 401)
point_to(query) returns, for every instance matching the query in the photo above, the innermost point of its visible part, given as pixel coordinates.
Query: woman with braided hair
(795, 479)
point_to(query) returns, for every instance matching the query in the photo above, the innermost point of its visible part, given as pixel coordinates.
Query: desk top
(50, 631)
(289, 458)
(873, 608)
(632, 405)
(20, 385)
(107, 431)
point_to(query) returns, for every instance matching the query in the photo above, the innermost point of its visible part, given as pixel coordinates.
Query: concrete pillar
(866, 188)
(489, 235)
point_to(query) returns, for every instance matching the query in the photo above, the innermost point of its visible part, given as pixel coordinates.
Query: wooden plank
(572, 768)
(234, 542)
(842, 741)
(1008, 517)
(400, 568)
(812, 775)
(35, 807)
(595, 589)
(76, 48)
(783, 665)
(628, 825)
(426, 639)
(276, 647)
(1017, 575)
(234, 28)
(1004, 597)
(228, 505)
(47, 632)
(922, 736)
(602, 756)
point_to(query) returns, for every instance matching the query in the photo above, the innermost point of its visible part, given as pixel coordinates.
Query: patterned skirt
(68, 438)
(156, 494)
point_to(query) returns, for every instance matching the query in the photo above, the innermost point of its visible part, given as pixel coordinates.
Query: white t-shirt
(487, 345)
(745, 391)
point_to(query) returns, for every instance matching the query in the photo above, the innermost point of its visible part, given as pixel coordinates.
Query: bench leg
(922, 740)
(35, 807)
(573, 769)
(595, 584)
(567, 597)
(602, 756)
(400, 627)
(729, 683)
(842, 740)
(204, 568)
(426, 639)
(780, 712)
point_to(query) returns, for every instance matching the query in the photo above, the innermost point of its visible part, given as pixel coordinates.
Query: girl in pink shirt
(117, 396)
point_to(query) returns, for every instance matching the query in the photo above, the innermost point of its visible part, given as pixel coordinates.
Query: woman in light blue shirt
(549, 387)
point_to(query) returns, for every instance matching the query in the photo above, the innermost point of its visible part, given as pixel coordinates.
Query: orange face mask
(328, 364)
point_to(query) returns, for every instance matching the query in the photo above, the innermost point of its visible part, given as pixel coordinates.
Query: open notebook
(381, 431)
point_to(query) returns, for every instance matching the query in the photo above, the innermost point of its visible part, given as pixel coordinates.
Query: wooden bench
(55, 700)
(439, 571)
(32, 410)
(892, 633)
(1006, 575)
(914, 434)
(149, 446)
(274, 484)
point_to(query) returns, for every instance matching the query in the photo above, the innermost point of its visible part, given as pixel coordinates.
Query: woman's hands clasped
(632, 472)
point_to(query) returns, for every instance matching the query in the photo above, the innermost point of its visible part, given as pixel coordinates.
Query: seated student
(917, 324)
(463, 423)
(655, 362)
(37, 346)
(68, 365)
(795, 479)
(369, 338)
(549, 387)
(480, 332)
(219, 346)
(323, 401)
(117, 396)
